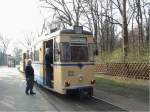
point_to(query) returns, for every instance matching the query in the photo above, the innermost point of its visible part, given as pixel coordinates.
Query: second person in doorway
(48, 62)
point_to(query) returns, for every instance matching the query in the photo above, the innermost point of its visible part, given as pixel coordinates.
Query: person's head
(47, 50)
(29, 62)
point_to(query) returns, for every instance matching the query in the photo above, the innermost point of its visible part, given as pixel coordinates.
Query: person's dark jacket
(29, 72)
(48, 60)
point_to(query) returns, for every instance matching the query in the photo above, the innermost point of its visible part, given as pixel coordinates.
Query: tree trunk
(125, 32)
(148, 31)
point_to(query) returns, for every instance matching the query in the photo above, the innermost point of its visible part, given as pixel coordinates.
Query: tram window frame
(32, 51)
(36, 54)
(68, 56)
(56, 51)
(91, 51)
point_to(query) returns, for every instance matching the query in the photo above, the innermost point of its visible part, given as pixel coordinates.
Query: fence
(130, 70)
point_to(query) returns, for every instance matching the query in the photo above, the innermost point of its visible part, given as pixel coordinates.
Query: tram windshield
(75, 53)
(79, 53)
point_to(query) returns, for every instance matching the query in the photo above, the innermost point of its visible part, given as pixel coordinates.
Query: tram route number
(72, 73)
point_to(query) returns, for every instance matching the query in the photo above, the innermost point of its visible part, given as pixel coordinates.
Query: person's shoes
(27, 93)
(50, 86)
(32, 93)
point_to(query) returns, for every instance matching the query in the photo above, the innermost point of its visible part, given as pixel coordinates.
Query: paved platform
(13, 97)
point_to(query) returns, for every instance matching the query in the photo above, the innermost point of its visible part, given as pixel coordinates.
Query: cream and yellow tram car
(73, 61)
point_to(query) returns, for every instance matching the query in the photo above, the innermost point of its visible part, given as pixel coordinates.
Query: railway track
(71, 103)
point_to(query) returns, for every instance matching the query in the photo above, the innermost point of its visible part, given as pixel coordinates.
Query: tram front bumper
(86, 90)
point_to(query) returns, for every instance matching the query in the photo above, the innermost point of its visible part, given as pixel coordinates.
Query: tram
(72, 63)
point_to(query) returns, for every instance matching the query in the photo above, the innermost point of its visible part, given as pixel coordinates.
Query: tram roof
(63, 31)
(71, 31)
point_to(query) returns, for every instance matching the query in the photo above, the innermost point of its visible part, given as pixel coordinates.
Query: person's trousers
(30, 84)
(48, 76)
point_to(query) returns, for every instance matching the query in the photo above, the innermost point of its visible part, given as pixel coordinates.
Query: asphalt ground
(13, 97)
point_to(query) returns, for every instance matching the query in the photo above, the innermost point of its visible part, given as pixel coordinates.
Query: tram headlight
(81, 78)
(71, 73)
(93, 81)
(67, 84)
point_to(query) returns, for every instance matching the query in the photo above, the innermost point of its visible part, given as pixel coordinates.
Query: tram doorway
(48, 62)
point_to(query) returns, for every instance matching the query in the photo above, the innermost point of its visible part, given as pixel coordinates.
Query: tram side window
(36, 55)
(65, 52)
(90, 51)
(56, 51)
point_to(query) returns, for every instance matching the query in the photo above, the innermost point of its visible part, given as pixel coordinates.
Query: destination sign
(78, 29)
(79, 40)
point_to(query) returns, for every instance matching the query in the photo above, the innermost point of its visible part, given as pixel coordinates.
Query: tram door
(44, 68)
(48, 61)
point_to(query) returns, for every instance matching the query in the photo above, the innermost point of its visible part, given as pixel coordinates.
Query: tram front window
(79, 53)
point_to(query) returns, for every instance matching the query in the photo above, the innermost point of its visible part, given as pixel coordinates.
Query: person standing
(29, 73)
(48, 62)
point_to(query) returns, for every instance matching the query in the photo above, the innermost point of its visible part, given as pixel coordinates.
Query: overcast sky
(18, 17)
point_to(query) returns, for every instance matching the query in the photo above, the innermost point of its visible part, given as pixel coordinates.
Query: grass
(129, 90)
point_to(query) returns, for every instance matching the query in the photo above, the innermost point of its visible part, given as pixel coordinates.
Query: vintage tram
(73, 61)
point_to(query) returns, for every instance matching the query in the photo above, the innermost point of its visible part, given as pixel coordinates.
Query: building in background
(11, 61)
(3, 59)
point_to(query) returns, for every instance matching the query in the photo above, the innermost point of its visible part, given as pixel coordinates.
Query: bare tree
(101, 22)
(139, 19)
(67, 11)
(4, 43)
(29, 39)
(140, 16)
(121, 6)
(17, 54)
(90, 11)
(148, 29)
(125, 30)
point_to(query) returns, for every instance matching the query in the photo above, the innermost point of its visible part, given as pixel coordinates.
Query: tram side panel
(38, 71)
(58, 82)
(39, 67)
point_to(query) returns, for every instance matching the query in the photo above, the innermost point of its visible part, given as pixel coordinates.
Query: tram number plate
(71, 73)
(85, 93)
